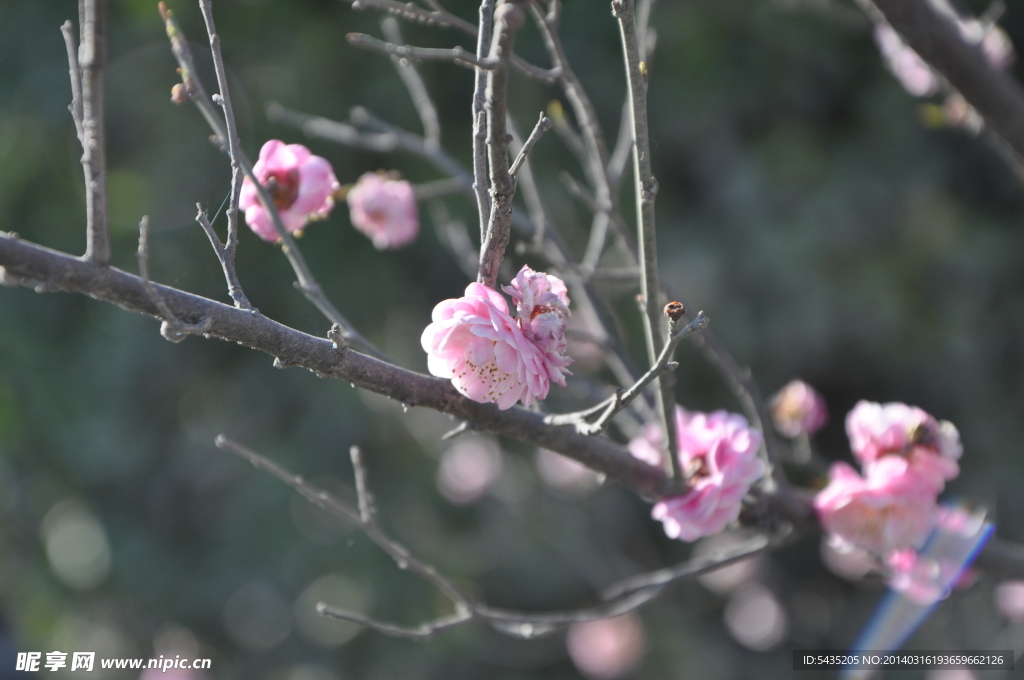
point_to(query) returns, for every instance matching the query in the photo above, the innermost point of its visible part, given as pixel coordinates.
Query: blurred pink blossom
(931, 447)
(301, 185)
(913, 73)
(468, 469)
(755, 618)
(797, 409)
(1009, 598)
(564, 473)
(718, 454)
(491, 357)
(384, 209)
(892, 509)
(606, 648)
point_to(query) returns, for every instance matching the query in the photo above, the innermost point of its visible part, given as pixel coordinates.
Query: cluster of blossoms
(303, 188)
(492, 357)
(918, 78)
(906, 456)
(718, 455)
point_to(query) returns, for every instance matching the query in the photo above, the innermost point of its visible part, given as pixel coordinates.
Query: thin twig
(226, 256)
(508, 17)
(542, 126)
(414, 84)
(172, 328)
(690, 569)
(484, 35)
(629, 594)
(623, 398)
(456, 55)
(226, 252)
(76, 79)
(306, 283)
(646, 188)
(438, 16)
(92, 56)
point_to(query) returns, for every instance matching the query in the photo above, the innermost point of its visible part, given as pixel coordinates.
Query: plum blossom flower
(718, 453)
(384, 209)
(798, 409)
(491, 357)
(891, 509)
(1009, 600)
(301, 185)
(879, 430)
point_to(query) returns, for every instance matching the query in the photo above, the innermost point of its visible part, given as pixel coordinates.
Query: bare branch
(171, 328)
(646, 188)
(455, 55)
(484, 35)
(692, 568)
(226, 253)
(623, 398)
(414, 84)
(92, 56)
(508, 17)
(542, 126)
(226, 257)
(425, 631)
(438, 16)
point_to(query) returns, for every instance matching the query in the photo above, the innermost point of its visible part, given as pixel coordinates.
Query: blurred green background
(803, 206)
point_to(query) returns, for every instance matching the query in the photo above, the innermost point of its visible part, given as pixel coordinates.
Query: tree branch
(92, 56)
(455, 55)
(993, 93)
(646, 188)
(414, 84)
(226, 252)
(542, 126)
(508, 17)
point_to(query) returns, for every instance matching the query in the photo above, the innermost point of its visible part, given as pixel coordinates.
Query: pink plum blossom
(491, 357)
(718, 453)
(384, 209)
(798, 409)
(891, 509)
(932, 447)
(301, 185)
(606, 648)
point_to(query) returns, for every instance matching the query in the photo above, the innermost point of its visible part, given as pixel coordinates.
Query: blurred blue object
(955, 541)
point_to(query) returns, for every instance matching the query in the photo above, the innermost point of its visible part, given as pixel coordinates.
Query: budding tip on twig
(675, 310)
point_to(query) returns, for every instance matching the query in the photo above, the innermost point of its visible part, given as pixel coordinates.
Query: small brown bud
(675, 310)
(179, 94)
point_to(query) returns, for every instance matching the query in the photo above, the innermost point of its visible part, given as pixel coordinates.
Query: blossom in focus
(797, 409)
(384, 209)
(891, 509)
(913, 73)
(718, 455)
(606, 648)
(300, 184)
(931, 447)
(491, 357)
